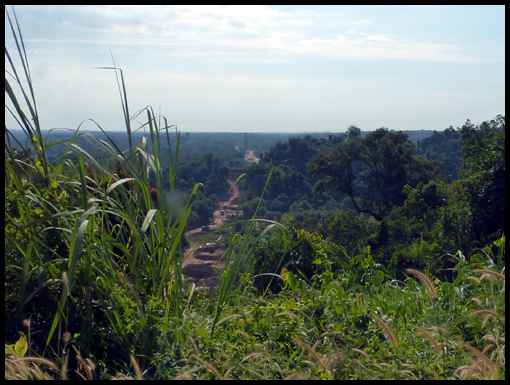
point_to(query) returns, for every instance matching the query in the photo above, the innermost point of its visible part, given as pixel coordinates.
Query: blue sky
(268, 68)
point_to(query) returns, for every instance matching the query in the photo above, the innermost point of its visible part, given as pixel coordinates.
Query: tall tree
(373, 170)
(483, 174)
(353, 132)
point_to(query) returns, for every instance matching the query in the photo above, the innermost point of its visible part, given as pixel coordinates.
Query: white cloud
(305, 11)
(203, 30)
(362, 22)
(209, 19)
(191, 61)
(380, 46)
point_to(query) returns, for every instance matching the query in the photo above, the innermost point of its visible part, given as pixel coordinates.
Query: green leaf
(344, 264)
(330, 286)
(327, 375)
(76, 240)
(357, 259)
(148, 219)
(377, 278)
(109, 189)
(21, 346)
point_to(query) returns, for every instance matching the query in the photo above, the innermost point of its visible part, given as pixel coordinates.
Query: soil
(250, 157)
(202, 263)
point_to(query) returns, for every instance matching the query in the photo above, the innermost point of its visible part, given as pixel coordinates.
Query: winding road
(201, 264)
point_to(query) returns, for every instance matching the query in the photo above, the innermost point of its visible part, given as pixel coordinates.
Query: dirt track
(250, 157)
(201, 263)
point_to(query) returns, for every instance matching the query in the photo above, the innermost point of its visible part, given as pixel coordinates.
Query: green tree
(346, 229)
(201, 208)
(483, 174)
(373, 170)
(353, 132)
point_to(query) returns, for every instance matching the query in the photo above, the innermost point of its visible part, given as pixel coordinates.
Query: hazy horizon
(239, 132)
(266, 69)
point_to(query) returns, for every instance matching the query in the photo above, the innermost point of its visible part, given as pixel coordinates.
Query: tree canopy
(373, 170)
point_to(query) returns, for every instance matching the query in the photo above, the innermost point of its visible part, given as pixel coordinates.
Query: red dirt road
(250, 157)
(201, 263)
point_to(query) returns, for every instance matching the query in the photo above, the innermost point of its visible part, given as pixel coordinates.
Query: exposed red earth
(250, 157)
(202, 264)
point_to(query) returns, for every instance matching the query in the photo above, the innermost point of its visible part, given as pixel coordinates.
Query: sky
(265, 68)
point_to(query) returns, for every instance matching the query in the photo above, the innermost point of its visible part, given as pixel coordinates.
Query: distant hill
(218, 143)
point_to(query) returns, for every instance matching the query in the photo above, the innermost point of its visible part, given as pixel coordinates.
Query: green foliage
(93, 247)
(420, 254)
(438, 218)
(308, 256)
(20, 347)
(370, 327)
(483, 176)
(372, 170)
(444, 147)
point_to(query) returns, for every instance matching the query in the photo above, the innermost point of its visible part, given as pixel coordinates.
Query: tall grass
(93, 244)
(94, 240)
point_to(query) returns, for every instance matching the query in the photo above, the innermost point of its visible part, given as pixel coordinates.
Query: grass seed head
(360, 352)
(136, 368)
(389, 333)
(431, 338)
(287, 314)
(483, 359)
(312, 352)
(485, 311)
(425, 280)
(491, 273)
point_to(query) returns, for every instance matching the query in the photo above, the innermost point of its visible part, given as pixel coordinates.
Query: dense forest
(403, 201)
(208, 158)
(358, 255)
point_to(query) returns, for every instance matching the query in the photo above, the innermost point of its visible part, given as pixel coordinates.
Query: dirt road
(250, 157)
(201, 263)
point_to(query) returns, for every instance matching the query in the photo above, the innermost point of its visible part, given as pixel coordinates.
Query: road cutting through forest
(202, 264)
